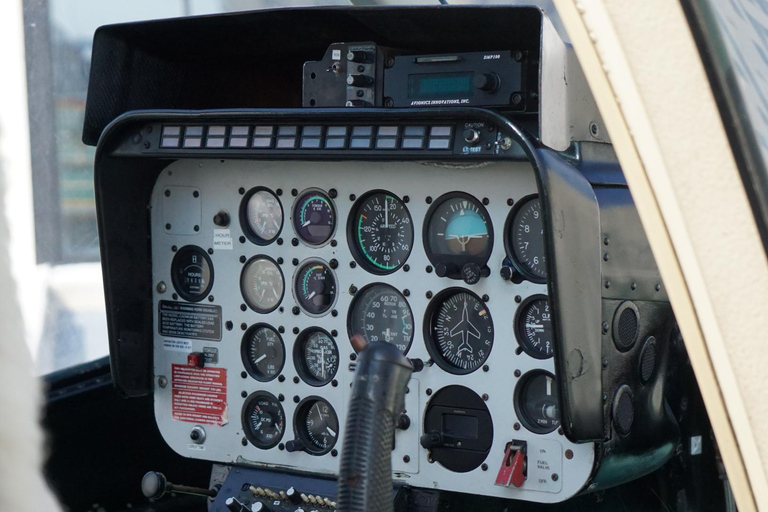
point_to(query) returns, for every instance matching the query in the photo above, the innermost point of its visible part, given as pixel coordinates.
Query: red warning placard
(199, 394)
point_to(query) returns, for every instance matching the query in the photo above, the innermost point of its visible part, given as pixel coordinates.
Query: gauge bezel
(174, 278)
(297, 201)
(508, 245)
(432, 308)
(310, 448)
(243, 295)
(520, 410)
(245, 225)
(356, 299)
(295, 282)
(299, 361)
(247, 431)
(457, 261)
(522, 340)
(244, 352)
(353, 241)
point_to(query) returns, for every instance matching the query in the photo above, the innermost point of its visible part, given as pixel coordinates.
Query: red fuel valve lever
(513, 466)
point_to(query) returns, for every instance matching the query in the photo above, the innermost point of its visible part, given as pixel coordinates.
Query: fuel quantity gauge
(263, 352)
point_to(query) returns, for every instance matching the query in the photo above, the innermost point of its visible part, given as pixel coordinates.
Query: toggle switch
(513, 470)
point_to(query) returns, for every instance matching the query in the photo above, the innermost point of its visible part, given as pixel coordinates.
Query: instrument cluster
(290, 260)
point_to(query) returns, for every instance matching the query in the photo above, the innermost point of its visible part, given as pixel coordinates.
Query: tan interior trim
(643, 67)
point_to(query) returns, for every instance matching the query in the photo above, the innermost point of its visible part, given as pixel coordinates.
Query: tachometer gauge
(262, 284)
(316, 356)
(458, 237)
(263, 420)
(380, 313)
(536, 402)
(263, 352)
(380, 232)
(533, 326)
(524, 239)
(458, 331)
(316, 426)
(192, 273)
(261, 216)
(314, 287)
(314, 217)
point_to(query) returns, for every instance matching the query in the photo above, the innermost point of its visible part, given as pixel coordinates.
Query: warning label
(199, 395)
(196, 321)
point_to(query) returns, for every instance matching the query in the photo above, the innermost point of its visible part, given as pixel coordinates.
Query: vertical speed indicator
(380, 232)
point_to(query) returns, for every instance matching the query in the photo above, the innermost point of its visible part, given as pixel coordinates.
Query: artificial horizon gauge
(316, 426)
(533, 327)
(536, 402)
(458, 331)
(262, 284)
(192, 273)
(314, 287)
(380, 313)
(524, 239)
(263, 352)
(316, 356)
(263, 420)
(261, 216)
(380, 232)
(458, 237)
(314, 217)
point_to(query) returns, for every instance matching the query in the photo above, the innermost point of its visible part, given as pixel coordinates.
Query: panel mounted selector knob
(235, 505)
(294, 445)
(431, 440)
(487, 82)
(471, 136)
(359, 80)
(259, 507)
(359, 56)
(293, 496)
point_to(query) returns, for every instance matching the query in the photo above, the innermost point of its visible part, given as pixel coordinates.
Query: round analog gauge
(380, 232)
(458, 237)
(380, 313)
(192, 273)
(261, 216)
(524, 239)
(533, 323)
(314, 287)
(458, 331)
(263, 352)
(536, 402)
(262, 284)
(314, 217)
(316, 356)
(263, 420)
(316, 425)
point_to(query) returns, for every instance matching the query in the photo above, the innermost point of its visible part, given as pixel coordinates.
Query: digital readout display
(440, 85)
(455, 425)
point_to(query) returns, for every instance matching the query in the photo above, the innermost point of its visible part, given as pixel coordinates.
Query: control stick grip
(378, 398)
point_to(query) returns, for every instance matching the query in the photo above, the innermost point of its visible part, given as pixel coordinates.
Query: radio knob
(360, 56)
(359, 80)
(471, 136)
(487, 82)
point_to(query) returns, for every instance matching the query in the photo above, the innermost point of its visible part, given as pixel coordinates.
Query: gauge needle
(330, 431)
(275, 292)
(261, 358)
(306, 224)
(311, 295)
(535, 326)
(322, 358)
(388, 335)
(386, 212)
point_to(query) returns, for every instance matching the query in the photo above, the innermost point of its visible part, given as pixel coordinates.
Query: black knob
(153, 485)
(294, 445)
(403, 422)
(417, 364)
(441, 269)
(360, 56)
(431, 440)
(221, 219)
(487, 82)
(485, 271)
(359, 80)
(259, 507)
(471, 136)
(470, 273)
(506, 272)
(234, 505)
(293, 495)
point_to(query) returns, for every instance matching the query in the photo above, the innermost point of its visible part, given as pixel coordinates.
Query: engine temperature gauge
(262, 284)
(314, 287)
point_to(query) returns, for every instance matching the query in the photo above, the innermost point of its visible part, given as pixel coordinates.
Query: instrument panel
(264, 270)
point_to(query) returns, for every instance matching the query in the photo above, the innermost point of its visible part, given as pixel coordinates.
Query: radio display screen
(440, 85)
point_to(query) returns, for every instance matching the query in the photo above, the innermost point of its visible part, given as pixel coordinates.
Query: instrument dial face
(314, 217)
(524, 240)
(192, 273)
(314, 287)
(458, 232)
(380, 232)
(316, 425)
(262, 284)
(263, 420)
(380, 313)
(316, 356)
(536, 402)
(534, 327)
(460, 331)
(261, 216)
(263, 352)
